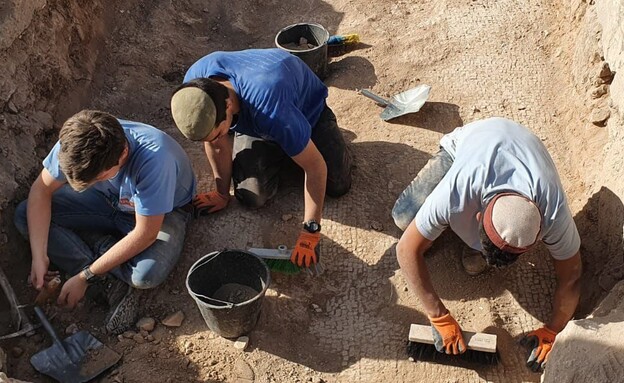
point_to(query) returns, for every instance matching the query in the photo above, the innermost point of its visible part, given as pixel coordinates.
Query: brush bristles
(428, 352)
(283, 266)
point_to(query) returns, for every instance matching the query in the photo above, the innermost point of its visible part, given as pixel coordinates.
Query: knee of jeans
(401, 219)
(147, 279)
(20, 218)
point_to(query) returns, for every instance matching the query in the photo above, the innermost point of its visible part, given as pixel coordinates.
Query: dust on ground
(482, 58)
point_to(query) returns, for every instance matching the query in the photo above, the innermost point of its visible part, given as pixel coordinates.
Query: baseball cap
(194, 113)
(512, 222)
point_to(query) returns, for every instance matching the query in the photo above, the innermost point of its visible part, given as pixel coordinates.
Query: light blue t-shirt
(156, 178)
(493, 156)
(281, 99)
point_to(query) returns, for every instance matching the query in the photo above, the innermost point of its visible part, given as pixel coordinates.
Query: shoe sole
(124, 315)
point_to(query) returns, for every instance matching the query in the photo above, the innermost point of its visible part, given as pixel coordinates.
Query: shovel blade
(80, 358)
(409, 101)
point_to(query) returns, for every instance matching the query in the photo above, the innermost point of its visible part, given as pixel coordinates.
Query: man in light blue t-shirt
(494, 184)
(275, 107)
(110, 210)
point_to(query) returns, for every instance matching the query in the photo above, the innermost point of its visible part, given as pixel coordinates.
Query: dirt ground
(482, 58)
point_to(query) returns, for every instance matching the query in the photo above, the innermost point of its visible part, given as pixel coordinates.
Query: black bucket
(316, 57)
(228, 287)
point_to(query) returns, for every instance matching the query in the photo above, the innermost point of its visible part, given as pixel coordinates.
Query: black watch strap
(311, 226)
(88, 274)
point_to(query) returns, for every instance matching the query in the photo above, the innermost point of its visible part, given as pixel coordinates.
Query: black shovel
(79, 358)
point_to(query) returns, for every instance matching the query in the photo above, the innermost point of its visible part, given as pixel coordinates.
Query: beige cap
(512, 222)
(194, 113)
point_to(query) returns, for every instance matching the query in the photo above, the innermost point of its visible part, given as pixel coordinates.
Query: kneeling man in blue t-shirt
(275, 107)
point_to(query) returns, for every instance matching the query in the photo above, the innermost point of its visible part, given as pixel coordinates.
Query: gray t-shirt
(489, 157)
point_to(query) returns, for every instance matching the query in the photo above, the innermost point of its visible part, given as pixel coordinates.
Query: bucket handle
(229, 305)
(206, 259)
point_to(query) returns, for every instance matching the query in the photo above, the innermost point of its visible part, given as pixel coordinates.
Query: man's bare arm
(219, 155)
(567, 292)
(411, 256)
(39, 213)
(313, 164)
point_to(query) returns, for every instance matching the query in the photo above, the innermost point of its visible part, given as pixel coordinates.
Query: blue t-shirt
(492, 156)
(156, 178)
(281, 99)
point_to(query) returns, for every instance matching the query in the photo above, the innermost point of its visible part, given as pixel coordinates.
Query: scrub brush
(481, 347)
(278, 260)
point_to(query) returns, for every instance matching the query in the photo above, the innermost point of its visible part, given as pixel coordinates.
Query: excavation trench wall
(51, 50)
(48, 54)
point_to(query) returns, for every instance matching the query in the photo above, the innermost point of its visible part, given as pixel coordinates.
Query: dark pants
(257, 163)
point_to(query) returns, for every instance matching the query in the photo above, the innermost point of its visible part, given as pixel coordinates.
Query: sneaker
(124, 304)
(473, 262)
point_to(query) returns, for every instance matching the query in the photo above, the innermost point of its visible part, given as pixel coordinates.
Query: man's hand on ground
(447, 335)
(306, 250)
(540, 342)
(210, 202)
(73, 291)
(38, 272)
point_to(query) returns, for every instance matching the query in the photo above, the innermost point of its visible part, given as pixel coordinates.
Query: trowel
(409, 101)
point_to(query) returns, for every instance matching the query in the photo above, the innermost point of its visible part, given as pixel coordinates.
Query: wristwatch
(87, 273)
(311, 226)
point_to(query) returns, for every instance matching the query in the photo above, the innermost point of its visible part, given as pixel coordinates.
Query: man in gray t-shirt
(494, 184)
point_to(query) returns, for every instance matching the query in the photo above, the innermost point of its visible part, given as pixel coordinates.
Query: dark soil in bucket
(235, 293)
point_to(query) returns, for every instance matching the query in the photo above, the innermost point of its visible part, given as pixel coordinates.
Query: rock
(128, 334)
(12, 108)
(150, 338)
(599, 91)
(605, 71)
(146, 324)
(174, 320)
(376, 226)
(287, 217)
(241, 343)
(316, 308)
(244, 371)
(589, 350)
(72, 329)
(138, 338)
(5, 379)
(599, 116)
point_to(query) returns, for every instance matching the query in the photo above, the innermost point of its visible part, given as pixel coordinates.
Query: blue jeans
(413, 197)
(91, 215)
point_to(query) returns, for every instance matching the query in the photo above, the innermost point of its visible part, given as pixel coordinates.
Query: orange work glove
(447, 335)
(306, 250)
(210, 202)
(540, 341)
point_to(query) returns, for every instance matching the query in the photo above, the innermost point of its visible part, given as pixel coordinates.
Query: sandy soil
(482, 58)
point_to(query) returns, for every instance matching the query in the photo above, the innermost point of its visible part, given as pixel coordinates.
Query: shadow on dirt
(351, 73)
(602, 249)
(440, 117)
